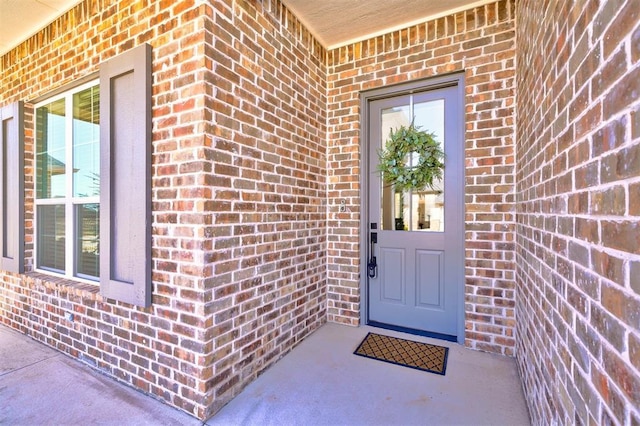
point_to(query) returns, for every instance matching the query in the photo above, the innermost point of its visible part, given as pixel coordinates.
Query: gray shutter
(125, 182)
(12, 188)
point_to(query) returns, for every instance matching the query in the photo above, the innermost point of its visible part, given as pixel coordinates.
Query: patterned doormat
(421, 356)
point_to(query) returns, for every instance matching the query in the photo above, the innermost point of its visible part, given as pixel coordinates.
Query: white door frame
(456, 79)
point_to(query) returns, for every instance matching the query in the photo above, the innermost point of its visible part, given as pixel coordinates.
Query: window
(68, 183)
(92, 180)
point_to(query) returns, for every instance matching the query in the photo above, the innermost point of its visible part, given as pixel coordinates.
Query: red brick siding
(160, 349)
(266, 266)
(578, 232)
(481, 43)
(239, 190)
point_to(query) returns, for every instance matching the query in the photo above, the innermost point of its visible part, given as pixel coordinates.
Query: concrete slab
(39, 385)
(321, 382)
(18, 351)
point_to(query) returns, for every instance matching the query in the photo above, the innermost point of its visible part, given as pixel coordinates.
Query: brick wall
(481, 43)
(238, 194)
(255, 142)
(159, 349)
(578, 232)
(266, 265)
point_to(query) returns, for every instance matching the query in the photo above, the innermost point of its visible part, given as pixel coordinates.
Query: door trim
(456, 79)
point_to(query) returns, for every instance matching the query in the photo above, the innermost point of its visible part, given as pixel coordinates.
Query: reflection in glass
(67, 138)
(87, 233)
(391, 119)
(86, 143)
(414, 210)
(51, 237)
(50, 149)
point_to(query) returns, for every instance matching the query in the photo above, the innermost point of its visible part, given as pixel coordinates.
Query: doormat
(421, 356)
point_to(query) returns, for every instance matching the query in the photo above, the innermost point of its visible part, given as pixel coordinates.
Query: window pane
(86, 143)
(87, 247)
(429, 203)
(51, 237)
(392, 119)
(50, 150)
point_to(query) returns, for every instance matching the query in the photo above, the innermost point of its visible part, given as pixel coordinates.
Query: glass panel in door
(418, 209)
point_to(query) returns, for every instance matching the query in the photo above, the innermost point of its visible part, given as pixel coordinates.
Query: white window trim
(69, 201)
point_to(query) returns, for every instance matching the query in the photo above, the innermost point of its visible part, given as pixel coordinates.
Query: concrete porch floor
(41, 386)
(319, 383)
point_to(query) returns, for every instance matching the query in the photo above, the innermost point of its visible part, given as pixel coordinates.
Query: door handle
(372, 266)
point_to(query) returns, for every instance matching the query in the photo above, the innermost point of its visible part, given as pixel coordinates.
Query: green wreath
(395, 158)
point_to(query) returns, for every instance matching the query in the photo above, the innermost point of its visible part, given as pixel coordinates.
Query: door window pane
(86, 143)
(421, 209)
(87, 244)
(51, 237)
(428, 204)
(391, 119)
(51, 150)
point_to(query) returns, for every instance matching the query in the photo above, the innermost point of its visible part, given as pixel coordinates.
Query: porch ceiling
(339, 22)
(19, 19)
(333, 22)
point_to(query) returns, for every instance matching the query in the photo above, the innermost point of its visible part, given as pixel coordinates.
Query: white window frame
(68, 200)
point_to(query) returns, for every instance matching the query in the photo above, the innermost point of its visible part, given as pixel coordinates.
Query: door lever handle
(372, 266)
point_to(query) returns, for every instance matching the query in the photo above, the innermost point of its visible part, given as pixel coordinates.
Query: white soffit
(20, 19)
(337, 23)
(333, 22)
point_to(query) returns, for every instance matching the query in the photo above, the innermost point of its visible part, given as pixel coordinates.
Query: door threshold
(440, 336)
